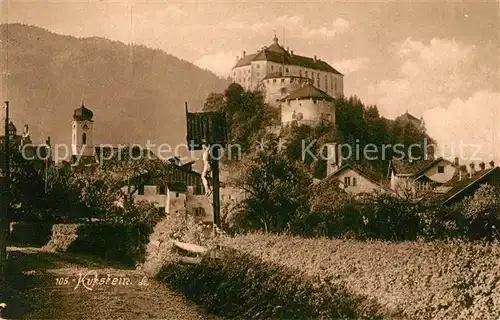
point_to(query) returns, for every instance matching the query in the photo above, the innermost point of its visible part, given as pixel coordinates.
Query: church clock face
(85, 127)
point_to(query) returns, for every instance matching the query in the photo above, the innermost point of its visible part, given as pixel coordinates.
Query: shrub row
(417, 280)
(390, 217)
(124, 243)
(238, 286)
(30, 233)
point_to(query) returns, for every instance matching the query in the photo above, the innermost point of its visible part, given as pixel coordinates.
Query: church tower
(82, 138)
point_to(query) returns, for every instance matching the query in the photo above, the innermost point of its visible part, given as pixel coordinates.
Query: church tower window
(84, 138)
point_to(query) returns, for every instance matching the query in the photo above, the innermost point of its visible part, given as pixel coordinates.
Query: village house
(412, 177)
(353, 180)
(466, 183)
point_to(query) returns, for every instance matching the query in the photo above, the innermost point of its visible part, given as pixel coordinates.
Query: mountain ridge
(136, 93)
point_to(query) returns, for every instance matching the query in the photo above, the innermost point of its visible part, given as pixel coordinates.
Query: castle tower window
(84, 138)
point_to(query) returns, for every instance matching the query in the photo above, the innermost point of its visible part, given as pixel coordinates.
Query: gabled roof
(407, 117)
(460, 186)
(307, 92)
(245, 61)
(357, 169)
(276, 53)
(415, 167)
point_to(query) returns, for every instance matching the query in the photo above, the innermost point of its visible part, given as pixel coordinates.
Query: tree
(277, 188)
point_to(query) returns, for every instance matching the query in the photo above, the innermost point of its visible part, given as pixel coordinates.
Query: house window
(272, 67)
(258, 74)
(353, 182)
(141, 190)
(274, 80)
(161, 210)
(286, 69)
(177, 194)
(84, 138)
(282, 80)
(283, 90)
(440, 169)
(306, 74)
(300, 73)
(347, 181)
(312, 75)
(162, 189)
(335, 84)
(258, 66)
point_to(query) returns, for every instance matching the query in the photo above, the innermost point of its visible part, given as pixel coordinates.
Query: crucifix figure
(207, 168)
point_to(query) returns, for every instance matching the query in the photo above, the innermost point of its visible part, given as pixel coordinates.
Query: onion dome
(82, 114)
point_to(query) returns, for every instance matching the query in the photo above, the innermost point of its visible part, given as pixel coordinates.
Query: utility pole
(4, 205)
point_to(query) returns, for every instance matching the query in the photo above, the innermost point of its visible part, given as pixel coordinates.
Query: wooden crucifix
(207, 131)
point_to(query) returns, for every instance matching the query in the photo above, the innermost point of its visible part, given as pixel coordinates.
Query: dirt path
(63, 286)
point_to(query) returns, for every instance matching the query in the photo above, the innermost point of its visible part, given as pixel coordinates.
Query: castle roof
(83, 113)
(308, 92)
(276, 53)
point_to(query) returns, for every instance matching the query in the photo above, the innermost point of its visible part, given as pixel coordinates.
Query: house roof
(307, 92)
(457, 187)
(408, 118)
(276, 53)
(415, 167)
(356, 168)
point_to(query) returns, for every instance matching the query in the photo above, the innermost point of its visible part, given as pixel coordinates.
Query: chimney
(315, 59)
(457, 162)
(333, 162)
(482, 166)
(492, 164)
(291, 53)
(244, 53)
(462, 172)
(472, 170)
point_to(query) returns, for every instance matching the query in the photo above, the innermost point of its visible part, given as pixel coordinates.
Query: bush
(30, 233)
(116, 242)
(240, 286)
(417, 280)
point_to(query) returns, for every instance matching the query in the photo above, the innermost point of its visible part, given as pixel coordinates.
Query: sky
(437, 60)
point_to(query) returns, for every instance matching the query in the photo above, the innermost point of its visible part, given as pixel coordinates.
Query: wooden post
(215, 183)
(4, 206)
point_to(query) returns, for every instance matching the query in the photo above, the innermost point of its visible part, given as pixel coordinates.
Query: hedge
(116, 242)
(238, 286)
(417, 280)
(30, 233)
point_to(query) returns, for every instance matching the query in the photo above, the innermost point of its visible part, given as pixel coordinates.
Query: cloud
(347, 66)
(440, 80)
(292, 24)
(219, 63)
(470, 122)
(431, 75)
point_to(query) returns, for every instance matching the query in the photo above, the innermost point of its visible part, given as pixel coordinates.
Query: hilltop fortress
(304, 88)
